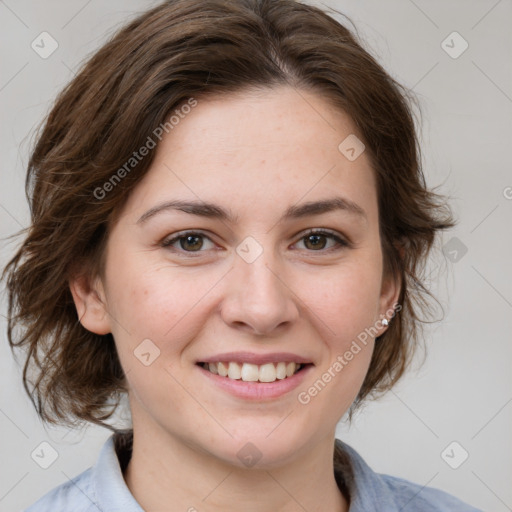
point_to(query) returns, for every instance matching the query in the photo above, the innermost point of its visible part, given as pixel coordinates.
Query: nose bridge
(260, 277)
(253, 262)
(258, 296)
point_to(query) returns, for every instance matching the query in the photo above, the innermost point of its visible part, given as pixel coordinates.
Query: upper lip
(259, 359)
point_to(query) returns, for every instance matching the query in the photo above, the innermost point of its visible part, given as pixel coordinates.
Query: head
(250, 110)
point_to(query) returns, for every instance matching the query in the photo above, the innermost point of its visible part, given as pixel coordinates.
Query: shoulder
(99, 488)
(77, 494)
(371, 491)
(411, 496)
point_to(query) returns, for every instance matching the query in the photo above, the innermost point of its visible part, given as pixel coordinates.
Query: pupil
(191, 238)
(316, 241)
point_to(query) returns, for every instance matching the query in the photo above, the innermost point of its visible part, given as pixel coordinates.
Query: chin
(256, 449)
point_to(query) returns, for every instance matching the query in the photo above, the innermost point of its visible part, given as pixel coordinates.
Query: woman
(228, 222)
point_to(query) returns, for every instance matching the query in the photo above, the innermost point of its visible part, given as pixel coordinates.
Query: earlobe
(89, 300)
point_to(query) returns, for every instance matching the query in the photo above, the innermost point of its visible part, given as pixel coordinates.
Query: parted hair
(178, 50)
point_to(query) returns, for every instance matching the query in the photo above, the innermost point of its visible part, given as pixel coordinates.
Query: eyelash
(341, 243)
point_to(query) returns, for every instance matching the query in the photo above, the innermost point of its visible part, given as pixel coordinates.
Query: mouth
(249, 372)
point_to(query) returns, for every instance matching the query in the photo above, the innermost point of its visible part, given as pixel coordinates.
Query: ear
(90, 303)
(390, 292)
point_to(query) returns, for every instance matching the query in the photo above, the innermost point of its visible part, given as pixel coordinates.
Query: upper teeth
(248, 372)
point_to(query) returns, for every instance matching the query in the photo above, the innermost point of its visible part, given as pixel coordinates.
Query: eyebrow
(211, 210)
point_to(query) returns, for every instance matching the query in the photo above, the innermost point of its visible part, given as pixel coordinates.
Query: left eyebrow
(211, 210)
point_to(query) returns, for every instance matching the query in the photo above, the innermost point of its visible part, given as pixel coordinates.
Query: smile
(248, 372)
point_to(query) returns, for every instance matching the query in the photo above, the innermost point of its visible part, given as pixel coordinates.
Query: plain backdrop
(463, 391)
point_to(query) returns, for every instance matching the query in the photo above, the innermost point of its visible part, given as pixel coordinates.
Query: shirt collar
(368, 491)
(110, 487)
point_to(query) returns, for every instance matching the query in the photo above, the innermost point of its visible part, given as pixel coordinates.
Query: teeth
(234, 371)
(248, 372)
(268, 372)
(222, 369)
(281, 371)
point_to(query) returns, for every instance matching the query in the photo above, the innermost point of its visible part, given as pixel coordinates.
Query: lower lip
(258, 390)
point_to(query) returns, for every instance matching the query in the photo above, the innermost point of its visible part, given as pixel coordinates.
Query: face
(252, 239)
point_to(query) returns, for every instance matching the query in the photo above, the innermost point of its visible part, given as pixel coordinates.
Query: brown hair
(179, 50)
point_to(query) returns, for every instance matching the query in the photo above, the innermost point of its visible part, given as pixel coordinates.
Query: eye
(189, 241)
(318, 240)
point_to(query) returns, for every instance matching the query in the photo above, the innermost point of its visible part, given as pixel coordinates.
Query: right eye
(189, 242)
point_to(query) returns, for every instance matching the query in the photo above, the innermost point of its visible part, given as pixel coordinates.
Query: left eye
(318, 240)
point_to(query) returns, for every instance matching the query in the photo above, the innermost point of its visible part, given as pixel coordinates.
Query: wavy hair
(184, 49)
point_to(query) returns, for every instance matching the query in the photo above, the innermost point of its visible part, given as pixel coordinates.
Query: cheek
(344, 305)
(345, 301)
(153, 299)
(157, 312)
(162, 303)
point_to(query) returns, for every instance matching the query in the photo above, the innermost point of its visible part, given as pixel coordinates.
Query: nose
(258, 299)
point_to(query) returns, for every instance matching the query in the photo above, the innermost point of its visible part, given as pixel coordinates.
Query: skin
(255, 154)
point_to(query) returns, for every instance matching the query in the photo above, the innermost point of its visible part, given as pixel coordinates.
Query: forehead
(258, 148)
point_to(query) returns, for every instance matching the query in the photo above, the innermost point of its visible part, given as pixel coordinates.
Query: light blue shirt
(102, 489)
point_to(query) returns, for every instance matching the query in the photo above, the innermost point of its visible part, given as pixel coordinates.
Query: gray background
(463, 392)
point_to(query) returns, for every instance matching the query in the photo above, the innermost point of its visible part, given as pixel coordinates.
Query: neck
(164, 470)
